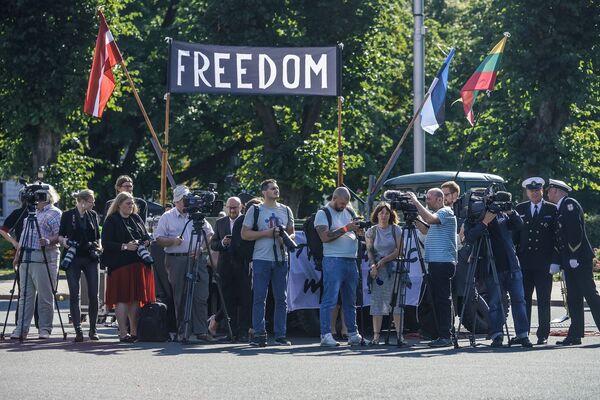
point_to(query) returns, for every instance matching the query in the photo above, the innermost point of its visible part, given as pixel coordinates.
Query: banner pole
(165, 153)
(340, 177)
(394, 157)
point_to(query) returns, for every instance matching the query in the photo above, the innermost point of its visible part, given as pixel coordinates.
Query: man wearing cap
(535, 247)
(574, 255)
(171, 235)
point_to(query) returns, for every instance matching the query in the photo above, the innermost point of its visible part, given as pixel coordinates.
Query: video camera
(400, 201)
(200, 203)
(31, 194)
(477, 201)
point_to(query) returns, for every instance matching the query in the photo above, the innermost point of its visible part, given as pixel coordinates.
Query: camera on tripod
(199, 203)
(400, 201)
(287, 240)
(33, 193)
(477, 201)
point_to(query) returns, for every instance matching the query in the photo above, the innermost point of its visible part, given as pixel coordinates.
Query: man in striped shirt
(440, 254)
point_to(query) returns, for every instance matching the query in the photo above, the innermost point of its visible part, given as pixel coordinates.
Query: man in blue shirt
(440, 254)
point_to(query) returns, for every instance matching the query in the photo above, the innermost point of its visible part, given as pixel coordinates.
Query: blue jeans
(339, 274)
(264, 272)
(513, 283)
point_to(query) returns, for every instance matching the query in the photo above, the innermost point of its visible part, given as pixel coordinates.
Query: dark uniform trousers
(535, 246)
(572, 244)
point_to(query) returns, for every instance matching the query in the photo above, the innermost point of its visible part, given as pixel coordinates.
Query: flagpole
(165, 153)
(340, 177)
(394, 157)
(469, 135)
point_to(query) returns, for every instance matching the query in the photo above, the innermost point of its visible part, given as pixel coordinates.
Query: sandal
(375, 340)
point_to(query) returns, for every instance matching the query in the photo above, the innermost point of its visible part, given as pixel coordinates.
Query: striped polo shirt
(440, 242)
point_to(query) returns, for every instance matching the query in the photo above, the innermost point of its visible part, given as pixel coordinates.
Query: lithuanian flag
(484, 78)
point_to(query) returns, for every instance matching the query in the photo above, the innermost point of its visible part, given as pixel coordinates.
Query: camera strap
(129, 228)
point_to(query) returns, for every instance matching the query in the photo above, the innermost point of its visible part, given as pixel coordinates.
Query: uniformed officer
(574, 255)
(535, 247)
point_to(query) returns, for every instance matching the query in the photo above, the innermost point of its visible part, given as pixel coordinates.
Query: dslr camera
(69, 255)
(144, 254)
(287, 240)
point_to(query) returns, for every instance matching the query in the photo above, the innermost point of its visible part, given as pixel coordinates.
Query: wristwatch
(124, 247)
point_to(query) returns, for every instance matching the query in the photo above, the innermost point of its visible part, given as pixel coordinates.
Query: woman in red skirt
(130, 282)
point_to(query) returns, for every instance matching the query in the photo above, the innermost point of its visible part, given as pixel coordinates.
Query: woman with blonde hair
(130, 282)
(79, 234)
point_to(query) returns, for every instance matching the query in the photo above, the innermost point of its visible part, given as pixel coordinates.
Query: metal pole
(340, 176)
(418, 83)
(165, 154)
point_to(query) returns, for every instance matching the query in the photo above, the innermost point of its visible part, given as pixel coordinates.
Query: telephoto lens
(70, 254)
(144, 254)
(287, 240)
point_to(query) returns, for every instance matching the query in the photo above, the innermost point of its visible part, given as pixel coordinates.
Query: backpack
(313, 241)
(242, 250)
(153, 323)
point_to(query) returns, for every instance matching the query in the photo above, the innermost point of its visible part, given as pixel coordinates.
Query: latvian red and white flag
(102, 81)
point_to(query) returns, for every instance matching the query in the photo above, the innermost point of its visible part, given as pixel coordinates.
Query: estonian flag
(433, 113)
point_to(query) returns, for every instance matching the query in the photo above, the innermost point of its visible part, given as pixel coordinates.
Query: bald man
(337, 229)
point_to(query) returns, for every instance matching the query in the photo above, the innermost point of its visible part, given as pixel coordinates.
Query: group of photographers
(527, 245)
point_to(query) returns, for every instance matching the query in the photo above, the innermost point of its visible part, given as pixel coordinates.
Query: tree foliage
(542, 118)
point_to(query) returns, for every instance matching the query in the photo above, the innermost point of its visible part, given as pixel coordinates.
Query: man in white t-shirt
(337, 229)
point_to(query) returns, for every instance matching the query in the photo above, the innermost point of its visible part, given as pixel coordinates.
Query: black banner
(198, 68)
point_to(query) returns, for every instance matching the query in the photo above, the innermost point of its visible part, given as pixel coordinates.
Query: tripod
(192, 273)
(470, 291)
(401, 282)
(408, 237)
(31, 227)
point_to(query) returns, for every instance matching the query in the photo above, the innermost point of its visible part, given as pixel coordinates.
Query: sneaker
(78, 336)
(259, 341)
(327, 340)
(440, 342)
(44, 335)
(282, 341)
(16, 335)
(357, 340)
(93, 334)
(497, 342)
(524, 341)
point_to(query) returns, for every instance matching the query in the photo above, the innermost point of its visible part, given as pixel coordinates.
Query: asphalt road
(61, 369)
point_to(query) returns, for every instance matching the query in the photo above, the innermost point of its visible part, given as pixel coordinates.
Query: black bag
(153, 323)
(313, 241)
(242, 250)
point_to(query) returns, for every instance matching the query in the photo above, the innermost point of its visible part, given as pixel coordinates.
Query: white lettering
(242, 71)
(296, 82)
(220, 70)
(199, 72)
(320, 67)
(180, 67)
(261, 71)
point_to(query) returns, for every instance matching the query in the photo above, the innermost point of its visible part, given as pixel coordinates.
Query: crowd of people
(529, 243)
